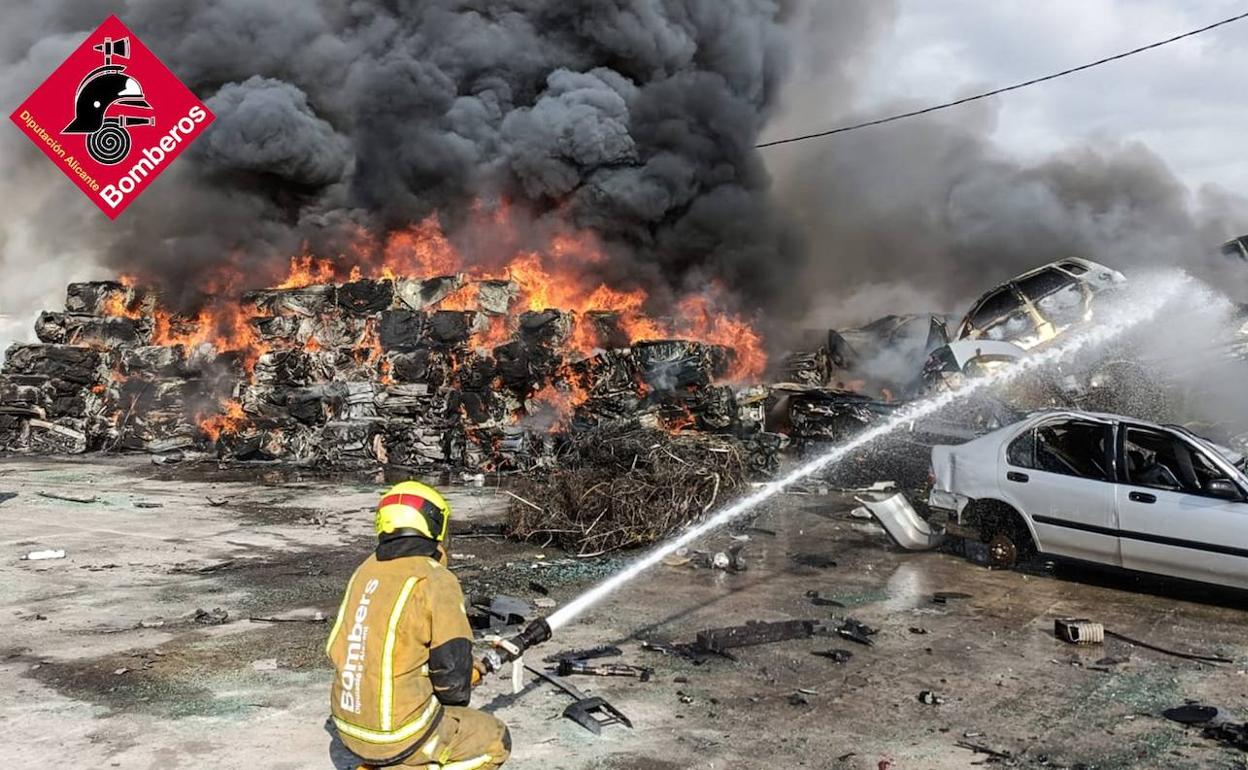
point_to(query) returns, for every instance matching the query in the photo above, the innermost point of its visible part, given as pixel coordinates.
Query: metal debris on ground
(1083, 631)
(856, 631)
(820, 600)
(835, 655)
(585, 668)
(929, 698)
(690, 652)
(214, 617)
(69, 498)
(498, 612)
(1216, 724)
(799, 699)
(944, 597)
(319, 617)
(592, 713)
(1078, 631)
(994, 756)
(52, 553)
(720, 640)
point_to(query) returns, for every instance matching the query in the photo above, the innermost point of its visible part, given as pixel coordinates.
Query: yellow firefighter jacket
(402, 649)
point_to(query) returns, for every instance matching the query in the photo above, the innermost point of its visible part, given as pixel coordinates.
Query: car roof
(1102, 416)
(1087, 264)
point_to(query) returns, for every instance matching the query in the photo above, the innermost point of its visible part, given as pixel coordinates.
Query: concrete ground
(103, 664)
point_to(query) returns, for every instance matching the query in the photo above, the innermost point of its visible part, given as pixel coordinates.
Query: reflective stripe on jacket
(401, 648)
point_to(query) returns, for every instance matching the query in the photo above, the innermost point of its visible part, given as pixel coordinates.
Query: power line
(1015, 87)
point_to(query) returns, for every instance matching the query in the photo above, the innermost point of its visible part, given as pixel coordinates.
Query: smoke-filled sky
(636, 118)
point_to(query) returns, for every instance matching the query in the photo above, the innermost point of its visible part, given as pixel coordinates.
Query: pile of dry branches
(626, 486)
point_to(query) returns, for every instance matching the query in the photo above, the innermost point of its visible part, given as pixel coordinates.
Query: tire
(1003, 529)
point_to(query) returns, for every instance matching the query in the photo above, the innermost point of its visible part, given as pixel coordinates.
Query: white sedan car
(1100, 488)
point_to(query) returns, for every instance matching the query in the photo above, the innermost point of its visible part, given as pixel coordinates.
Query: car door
(1060, 474)
(1170, 523)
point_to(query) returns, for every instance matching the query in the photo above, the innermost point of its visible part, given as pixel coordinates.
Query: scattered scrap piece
(820, 600)
(146, 504)
(992, 754)
(319, 617)
(929, 698)
(585, 668)
(1216, 723)
(835, 655)
(944, 597)
(689, 652)
(591, 713)
(799, 699)
(719, 640)
(856, 631)
(52, 553)
(1083, 631)
(215, 617)
(1191, 713)
(7, 496)
(69, 498)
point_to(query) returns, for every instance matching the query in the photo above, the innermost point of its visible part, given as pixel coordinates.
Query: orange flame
(231, 420)
(557, 274)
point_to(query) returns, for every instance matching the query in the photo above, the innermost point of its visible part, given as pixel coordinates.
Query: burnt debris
(441, 373)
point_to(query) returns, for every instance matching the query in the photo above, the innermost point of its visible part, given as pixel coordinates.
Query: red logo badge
(112, 117)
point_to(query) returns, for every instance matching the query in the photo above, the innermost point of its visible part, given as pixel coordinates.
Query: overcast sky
(1187, 101)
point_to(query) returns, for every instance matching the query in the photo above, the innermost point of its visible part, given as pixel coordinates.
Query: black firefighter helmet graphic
(103, 89)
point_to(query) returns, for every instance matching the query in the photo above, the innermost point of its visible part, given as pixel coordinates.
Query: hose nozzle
(507, 650)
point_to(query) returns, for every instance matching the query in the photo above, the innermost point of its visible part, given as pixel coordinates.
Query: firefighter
(402, 649)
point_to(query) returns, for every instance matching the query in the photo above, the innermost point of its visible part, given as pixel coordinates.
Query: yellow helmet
(413, 506)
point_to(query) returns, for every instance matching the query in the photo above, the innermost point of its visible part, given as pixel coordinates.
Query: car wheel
(1003, 530)
(1002, 552)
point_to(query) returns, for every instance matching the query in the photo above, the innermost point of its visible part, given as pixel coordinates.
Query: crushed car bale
(625, 486)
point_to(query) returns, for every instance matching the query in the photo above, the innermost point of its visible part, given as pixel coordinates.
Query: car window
(1160, 460)
(1012, 327)
(995, 305)
(1042, 284)
(1021, 452)
(1074, 268)
(1074, 448)
(1064, 306)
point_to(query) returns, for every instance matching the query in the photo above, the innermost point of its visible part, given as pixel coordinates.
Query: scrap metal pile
(424, 374)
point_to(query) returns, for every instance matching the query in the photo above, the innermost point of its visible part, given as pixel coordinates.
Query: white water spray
(1139, 309)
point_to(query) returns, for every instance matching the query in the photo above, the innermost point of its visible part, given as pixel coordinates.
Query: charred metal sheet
(719, 640)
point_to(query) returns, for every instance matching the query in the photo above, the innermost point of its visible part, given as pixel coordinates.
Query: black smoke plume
(635, 119)
(926, 214)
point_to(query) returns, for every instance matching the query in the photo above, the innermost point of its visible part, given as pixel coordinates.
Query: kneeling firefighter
(402, 649)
